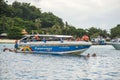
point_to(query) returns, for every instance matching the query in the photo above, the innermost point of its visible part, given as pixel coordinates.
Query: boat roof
(42, 35)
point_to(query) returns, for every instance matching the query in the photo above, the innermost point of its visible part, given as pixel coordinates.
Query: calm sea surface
(21, 66)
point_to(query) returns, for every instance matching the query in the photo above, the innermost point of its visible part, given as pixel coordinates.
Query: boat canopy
(67, 36)
(29, 38)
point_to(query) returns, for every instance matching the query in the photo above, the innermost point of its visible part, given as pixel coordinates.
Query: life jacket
(85, 38)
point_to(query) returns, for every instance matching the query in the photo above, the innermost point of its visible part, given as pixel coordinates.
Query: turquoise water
(21, 66)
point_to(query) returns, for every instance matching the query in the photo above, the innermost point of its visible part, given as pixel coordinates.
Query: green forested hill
(18, 16)
(24, 16)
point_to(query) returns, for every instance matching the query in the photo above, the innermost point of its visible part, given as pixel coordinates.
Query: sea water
(21, 66)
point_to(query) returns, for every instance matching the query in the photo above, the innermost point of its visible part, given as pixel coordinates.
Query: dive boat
(53, 44)
(116, 43)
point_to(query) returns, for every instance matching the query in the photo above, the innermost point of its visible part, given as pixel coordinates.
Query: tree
(3, 23)
(72, 30)
(3, 7)
(15, 33)
(26, 11)
(49, 19)
(94, 32)
(103, 33)
(80, 32)
(66, 28)
(115, 32)
(37, 23)
(56, 29)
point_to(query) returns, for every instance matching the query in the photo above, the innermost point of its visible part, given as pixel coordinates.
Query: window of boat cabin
(28, 39)
(46, 38)
(59, 38)
(25, 39)
(34, 38)
(49, 38)
(69, 39)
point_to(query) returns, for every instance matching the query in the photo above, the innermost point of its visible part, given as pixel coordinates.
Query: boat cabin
(36, 38)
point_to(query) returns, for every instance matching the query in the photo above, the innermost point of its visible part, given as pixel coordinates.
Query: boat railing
(27, 39)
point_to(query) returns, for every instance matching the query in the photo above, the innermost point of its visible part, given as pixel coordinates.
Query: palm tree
(38, 23)
(57, 29)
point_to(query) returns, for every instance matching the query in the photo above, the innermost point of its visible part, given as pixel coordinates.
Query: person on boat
(44, 40)
(69, 39)
(78, 39)
(35, 38)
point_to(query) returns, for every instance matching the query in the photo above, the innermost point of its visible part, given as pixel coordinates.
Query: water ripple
(18, 66)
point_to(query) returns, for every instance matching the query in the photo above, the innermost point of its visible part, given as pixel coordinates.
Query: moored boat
(54, 44)
(116, 43)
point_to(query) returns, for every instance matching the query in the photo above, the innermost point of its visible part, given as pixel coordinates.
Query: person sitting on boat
(44, 40)
(36, 38)
(69, 39)
(78, 39)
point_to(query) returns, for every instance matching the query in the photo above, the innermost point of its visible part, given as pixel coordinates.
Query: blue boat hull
(54, 49)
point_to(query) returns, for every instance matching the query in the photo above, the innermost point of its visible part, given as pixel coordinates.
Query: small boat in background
(53, 44)
(98, 41)
(116, 43)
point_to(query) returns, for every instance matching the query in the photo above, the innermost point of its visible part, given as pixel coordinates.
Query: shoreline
(7, 41)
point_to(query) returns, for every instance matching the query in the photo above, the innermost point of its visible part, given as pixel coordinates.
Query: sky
(104, 14)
